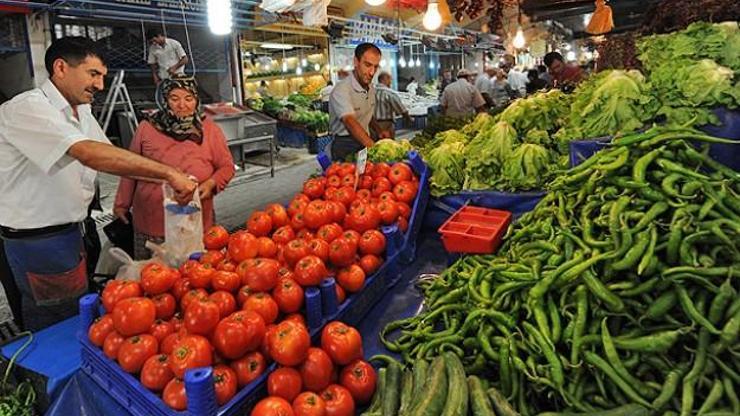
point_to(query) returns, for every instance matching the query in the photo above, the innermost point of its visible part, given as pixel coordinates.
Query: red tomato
(313, 188)
(288, 295)
(333, 181)
(288, 343)
(363, 194)
(226, 266)
(185, 267)
(342, 342)
(365, 217)
(381, 170)
(333, 169)
(369, 168)
(309, 404)
(255, 325)
(329, 193)
(297, 222)
(181, 287)
(213, 257)
(370, 263)
(337, 210)
(405, 191)
(133, 316)
(316, 370)
(112, 343)
(242, 246)
(404, 209)
(174, 394)
(100, 329)
(387, 196)
(297, 205)
(329, 232)
(268, 248)
(351, 278)
(316, 214)
(342, 252)
(388, 212)
(272, 406)
(261, 274)
(366, 182)
(201, 316)
(319, 248)
(156, 373)
(345, 195)
(259, 224)
(380, 185)
(244, 292)
(294, 251)
(224, 382)
(216, 238)
(226, 281)
(117, 290)
(190, 352)
(135, 351)
(263, 304)
(248, 368)
(372, 242)
(283, 235)
(348, 180)
(192, 295)
(231, 339)
(310, 271)
(225, 301)
(359, 378)
(296, 317)
(168, 343)
(400, 172)
(339, 401)
(353, 237)
(284, 382)
(341, 294)
(304, 235)
(161, 329)
(201, 275)
(403, 224)
(278, 215)
(157, 278)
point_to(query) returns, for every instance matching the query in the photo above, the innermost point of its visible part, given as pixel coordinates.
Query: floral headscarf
(165, 120)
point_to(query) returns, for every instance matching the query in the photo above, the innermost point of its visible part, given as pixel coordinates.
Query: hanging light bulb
(570, 56)
(383, 62)
(431, 64)
(304, 62)
(285, 66)
(418, 61)
(219, 16)
(298, 70)
(374, 2)
(316, 67)
(519, 42)
(432, 19)
(402, 62)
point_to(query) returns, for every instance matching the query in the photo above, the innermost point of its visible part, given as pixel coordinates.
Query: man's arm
(108, 158)
(357, 132)
(182, 62)
(155, 75)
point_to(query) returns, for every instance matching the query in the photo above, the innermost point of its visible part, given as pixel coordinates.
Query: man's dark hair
(73, 49)
(383, 76)
(542, 69)
(364, 47)
(533, 74)
(153, 33)
(552, 57)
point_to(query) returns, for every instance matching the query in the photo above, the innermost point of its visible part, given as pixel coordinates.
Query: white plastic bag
(183, 227)
(129, 268)
(316, 14)
(276, 6)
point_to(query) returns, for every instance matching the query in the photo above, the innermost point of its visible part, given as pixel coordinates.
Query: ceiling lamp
(383, 63)
(316, 67)
(272, 45)
(298, 70)
(285, 66)
(418, 61)
(519, 42)
(570, 56)
(432, 18)
(374, 2)
(431, 63)
(219, 16)
(402, 62)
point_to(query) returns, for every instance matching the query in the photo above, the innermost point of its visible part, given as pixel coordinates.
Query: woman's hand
(206, 189)
(121, 213)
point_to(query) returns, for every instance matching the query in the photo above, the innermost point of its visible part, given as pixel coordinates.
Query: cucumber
(374, 408)
(500, 404)
(457, 390)
(421, 368)
(391, 398)
(432, 397)
(479, 403)
(626, 410)
(407, 391)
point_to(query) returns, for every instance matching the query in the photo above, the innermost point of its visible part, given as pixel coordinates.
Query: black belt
(390, 119)
(35, 232)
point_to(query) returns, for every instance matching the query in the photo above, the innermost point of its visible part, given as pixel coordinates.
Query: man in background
(461, 98)
(484, 83)
(446, 80)
(387, 105)
(564, 76)
(166, 56)
(517, 80)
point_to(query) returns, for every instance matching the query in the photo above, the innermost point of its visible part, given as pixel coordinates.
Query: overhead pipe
(165, 11)
(28, 4)
(134, 17)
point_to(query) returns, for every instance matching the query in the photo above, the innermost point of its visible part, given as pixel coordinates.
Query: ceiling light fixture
(519, 42)
(432, 18)
(272, 45)
(219, 16)
(374, 2)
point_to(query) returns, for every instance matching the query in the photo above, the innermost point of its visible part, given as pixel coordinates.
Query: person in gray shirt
(352, 104)
(388, 105)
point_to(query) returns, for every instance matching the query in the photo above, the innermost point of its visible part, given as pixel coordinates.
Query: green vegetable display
(448, 163)
(546, 111)
(618, 293)
(486, 153)
(389, 151)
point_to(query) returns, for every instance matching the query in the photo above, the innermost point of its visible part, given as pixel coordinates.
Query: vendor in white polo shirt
(352, 104)
(167, 57)
(50, 149)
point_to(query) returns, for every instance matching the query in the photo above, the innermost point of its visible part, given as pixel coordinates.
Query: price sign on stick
(361, 162)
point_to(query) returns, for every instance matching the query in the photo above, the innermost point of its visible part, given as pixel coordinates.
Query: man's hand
(121, 213)
(385, 134)
(206, 188)
(183, 186)
(172, 71)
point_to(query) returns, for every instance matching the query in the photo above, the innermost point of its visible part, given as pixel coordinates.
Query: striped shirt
(387, 103)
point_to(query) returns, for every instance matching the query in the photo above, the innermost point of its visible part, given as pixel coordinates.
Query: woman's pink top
(210, 159)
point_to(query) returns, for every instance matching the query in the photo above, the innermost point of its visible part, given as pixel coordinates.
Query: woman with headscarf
(179, 135)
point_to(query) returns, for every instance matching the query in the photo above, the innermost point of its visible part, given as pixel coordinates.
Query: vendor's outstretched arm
(356, 131)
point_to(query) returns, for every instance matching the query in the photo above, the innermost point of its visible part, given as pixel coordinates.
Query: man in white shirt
(484, 83)
(166, 56)
(517, 80)
(412, 86)
(461, 98)
(50, 149)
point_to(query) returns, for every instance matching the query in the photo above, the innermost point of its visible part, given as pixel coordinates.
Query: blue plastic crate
(407, 250)
(317, 145)
(291, 137)
(128, 391)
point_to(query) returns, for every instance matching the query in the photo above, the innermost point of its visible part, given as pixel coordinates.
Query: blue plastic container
(291, 137)
(580, 150)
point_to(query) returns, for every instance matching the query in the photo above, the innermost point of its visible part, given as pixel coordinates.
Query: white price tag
(361, 161)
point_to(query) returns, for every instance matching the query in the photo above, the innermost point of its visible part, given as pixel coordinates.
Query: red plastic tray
(474, 230)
